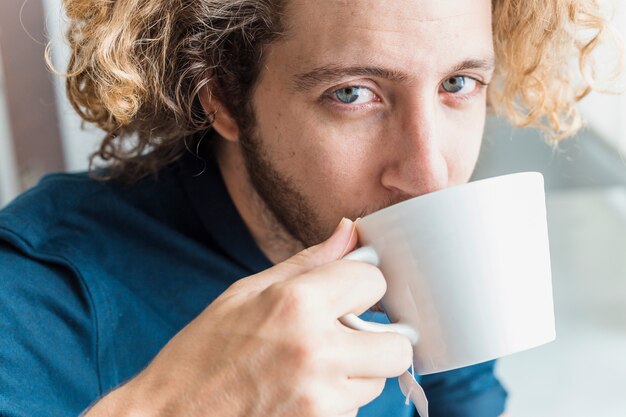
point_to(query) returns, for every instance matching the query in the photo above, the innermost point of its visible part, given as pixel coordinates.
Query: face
(366, 103)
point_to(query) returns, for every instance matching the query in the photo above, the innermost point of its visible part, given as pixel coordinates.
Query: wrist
(121, 402)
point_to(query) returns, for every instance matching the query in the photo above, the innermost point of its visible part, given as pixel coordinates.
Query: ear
(223, 123)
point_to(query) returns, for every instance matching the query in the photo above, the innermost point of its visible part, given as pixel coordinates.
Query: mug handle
(368, 255)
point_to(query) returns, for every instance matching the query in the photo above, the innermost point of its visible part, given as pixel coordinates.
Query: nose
(417, 164)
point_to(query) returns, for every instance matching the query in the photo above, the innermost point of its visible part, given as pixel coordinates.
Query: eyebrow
(330, 73)
(488, 65)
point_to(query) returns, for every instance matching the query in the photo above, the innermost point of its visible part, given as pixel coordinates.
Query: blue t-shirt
(96, 277)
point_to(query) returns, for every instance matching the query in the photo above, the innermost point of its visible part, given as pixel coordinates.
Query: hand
(271, 345)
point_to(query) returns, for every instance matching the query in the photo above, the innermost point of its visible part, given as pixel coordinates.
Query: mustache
(389, 201)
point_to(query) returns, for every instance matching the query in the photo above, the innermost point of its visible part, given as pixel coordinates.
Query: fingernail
(340, 225)
(345, 250)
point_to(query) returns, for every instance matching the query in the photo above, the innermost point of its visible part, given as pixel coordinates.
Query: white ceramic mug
(467, 270)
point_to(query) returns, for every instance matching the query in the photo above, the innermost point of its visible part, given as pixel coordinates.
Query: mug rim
(449, 190)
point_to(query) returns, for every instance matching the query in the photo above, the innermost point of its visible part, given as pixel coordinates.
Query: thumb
(342, 241)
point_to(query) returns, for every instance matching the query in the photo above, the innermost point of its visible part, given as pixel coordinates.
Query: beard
(283, 202)
(280, 195)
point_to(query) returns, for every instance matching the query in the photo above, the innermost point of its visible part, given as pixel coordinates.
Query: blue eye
(458, 83)
(454, 84)
(348, 95)
(354, 95)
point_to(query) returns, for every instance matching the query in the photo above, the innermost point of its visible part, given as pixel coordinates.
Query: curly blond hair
(536, 42)
(137, 68)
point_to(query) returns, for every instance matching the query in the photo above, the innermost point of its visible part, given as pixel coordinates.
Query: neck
(269, 234)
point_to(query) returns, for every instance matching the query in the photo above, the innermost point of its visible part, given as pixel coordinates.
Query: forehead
(404, 32)
(379, 11)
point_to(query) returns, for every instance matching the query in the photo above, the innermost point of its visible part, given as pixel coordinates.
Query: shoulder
(35, 220)
(69, 212)
(123, 244)
(53, 206)
(39, 281)
(62, 245)
(71, 227)
(49, 327)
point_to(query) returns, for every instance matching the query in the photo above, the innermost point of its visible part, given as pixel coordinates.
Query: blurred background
(582, 373)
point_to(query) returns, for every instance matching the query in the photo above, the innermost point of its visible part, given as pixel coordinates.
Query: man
(214, 287)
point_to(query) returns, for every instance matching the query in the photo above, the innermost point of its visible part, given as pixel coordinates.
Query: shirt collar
(205, 186)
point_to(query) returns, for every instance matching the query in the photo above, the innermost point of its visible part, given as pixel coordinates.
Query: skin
(315, 159)
(272, 345)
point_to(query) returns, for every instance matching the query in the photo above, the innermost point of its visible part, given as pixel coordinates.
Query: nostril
(405, 182)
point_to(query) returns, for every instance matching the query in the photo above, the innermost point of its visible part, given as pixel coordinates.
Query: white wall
(8, 175)
(78, 143)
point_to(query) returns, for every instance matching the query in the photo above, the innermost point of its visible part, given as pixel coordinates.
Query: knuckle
(308, 403)
(374, 275)
(313, 400)
(290, 299)
(238, 286)
(301, 258)
(304, 254)
(293, 265)
(378, 277)
(303, 356)
(399, 353)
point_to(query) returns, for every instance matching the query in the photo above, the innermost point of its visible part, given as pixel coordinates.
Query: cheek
(463, 137)
(313, 151)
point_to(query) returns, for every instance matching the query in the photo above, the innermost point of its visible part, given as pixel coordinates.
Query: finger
(342, 241)
(360, 392)
(352, 413)
(343, 287)
(363, 354)
(345, 395)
